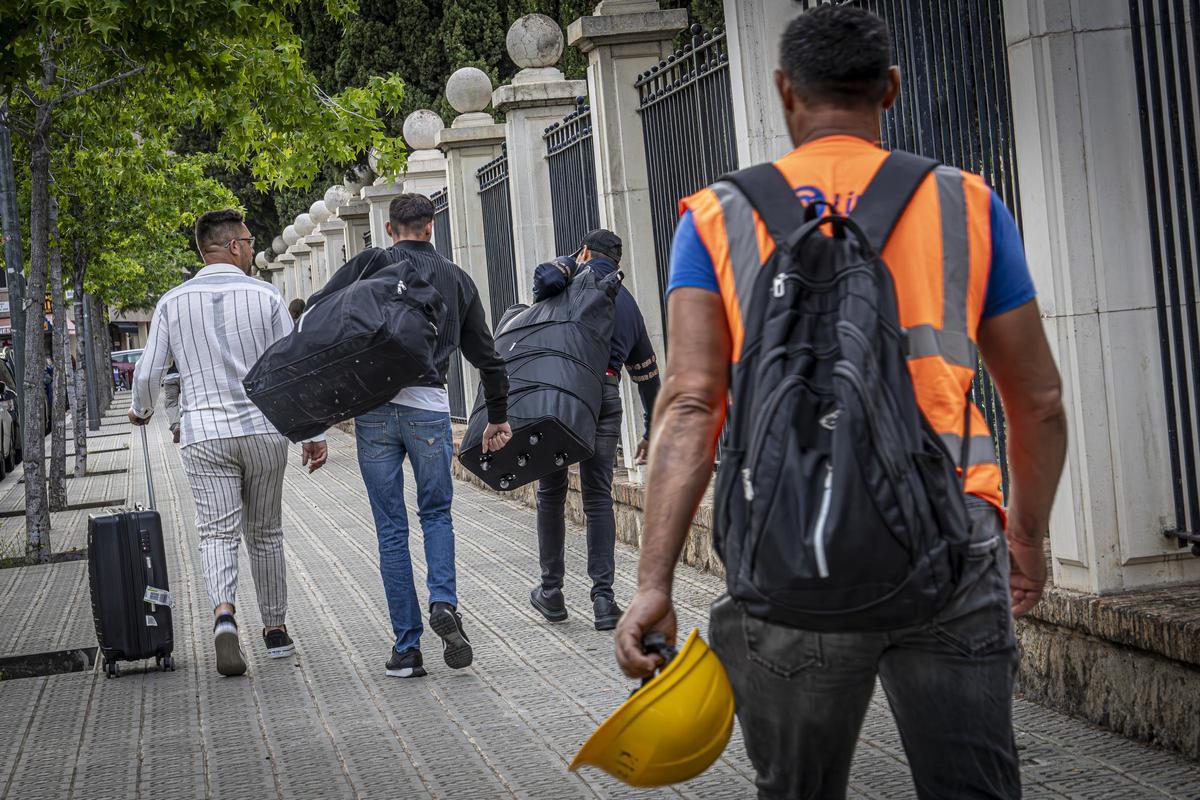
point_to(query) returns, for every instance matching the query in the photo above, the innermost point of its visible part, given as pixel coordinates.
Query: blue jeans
(385, 436)
(802, 696)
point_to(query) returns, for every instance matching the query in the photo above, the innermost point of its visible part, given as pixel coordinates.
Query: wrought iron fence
(687, 126)
(570, 157)
(1166, 52)
(954, 105)
(498, 234)
(445, 246)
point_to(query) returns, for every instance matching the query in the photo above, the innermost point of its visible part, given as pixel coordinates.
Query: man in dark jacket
(631, 349)
(416, 423)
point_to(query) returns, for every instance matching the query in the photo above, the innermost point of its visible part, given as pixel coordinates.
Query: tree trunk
(61, 361)
(104, 379)
(106, 345)
(79, 419)
(37, 516)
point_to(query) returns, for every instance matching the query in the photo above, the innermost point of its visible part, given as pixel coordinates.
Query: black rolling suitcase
(127, 572)
(557, 353)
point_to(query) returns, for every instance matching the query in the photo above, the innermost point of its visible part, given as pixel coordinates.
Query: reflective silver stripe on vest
(956, 252)
(981, 450)
(955, 348)
(742, 237)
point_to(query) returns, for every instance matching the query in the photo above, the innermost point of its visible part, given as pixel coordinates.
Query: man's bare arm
(1018, 358)
(687, 421)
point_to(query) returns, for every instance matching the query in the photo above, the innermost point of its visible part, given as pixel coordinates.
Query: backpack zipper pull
(747, 485)
(777, 287)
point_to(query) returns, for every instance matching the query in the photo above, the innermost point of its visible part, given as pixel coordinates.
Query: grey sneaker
(230, 659)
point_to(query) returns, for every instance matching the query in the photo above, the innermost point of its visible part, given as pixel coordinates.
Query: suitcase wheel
(112, 670)
(507, 481)
(560, 459)
(522, 459)
(534, 438)
(166, 662)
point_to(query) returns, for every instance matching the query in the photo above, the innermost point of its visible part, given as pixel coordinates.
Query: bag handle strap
(889, 193)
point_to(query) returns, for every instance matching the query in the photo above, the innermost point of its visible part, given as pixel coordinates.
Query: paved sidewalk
(329, 724)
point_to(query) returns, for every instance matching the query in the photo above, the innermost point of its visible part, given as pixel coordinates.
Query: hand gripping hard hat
(672, 728)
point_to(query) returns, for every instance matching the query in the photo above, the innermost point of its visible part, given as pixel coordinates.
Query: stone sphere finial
(319, 212)
(335, 196)
(469, 90)
(260, 260)
(279, 245)
(304, 225)
(421, 129)
(534, 41)
(290, 235)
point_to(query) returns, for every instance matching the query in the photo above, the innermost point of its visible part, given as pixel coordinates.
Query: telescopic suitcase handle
(146, 453)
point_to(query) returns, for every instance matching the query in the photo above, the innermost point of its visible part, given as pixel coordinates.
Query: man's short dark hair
(216, 228)
(410, 212)
(837, 55)
(296, 307)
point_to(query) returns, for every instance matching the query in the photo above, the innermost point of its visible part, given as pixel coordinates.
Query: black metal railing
(687, 125)
(1166, 52)
(441, 223)
(954, 105)
(571, 159)
(445, 246)
(498, 234)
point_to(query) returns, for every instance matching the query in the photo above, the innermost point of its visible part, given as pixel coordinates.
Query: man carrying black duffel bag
(416, 423)
(631, 349)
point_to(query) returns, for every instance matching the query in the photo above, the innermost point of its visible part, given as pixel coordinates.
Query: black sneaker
(446, 623)
(406, 664)
(230, 659)
(279, 644)
(608, 613)
(550, 604)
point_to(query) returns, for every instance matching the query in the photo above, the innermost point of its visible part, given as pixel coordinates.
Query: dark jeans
(386, 436)
(596, 476)
(801, 696)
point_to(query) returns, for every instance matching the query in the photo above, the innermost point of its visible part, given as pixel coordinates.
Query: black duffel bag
(557, 352)
(352, 351)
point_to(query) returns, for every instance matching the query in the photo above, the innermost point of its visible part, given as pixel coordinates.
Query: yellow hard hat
(671, 729)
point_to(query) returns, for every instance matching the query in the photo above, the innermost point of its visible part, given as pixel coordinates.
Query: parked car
(123, 362)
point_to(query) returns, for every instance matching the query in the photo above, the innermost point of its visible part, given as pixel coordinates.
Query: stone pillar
(316, 265)
(425, 172)
(378, 198)
(334, 231)
(754, 28)
(356, 216)
(538, 96)
(298, 283)
(284, 279)
(471, 141)
(1086, 230)
(621, 41)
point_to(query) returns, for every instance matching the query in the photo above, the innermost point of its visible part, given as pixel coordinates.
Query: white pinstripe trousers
(238, 486)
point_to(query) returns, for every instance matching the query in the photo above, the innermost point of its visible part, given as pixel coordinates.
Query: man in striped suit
(214, 327)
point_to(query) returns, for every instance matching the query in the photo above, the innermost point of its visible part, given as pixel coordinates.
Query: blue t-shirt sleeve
(1009, 283)
(691, 265)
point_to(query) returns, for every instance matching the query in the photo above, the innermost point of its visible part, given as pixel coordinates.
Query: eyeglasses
(247, 239)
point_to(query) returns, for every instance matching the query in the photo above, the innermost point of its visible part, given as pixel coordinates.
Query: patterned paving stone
(328, 723)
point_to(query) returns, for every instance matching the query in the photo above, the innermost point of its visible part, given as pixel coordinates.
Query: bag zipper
(760, 435)
(822, 519)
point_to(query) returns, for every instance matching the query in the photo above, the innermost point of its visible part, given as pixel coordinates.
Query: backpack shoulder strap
(881, 205)
(772, 197)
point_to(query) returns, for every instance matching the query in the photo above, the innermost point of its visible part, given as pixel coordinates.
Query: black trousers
(596, 476)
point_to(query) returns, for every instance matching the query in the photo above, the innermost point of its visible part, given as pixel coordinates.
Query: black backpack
(838, 508)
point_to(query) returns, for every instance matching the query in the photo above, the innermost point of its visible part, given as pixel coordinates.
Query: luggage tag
(158, 597)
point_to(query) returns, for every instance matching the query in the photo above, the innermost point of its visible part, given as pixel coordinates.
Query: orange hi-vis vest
(939, 255)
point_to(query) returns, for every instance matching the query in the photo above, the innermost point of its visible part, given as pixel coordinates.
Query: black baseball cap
(602, 241)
